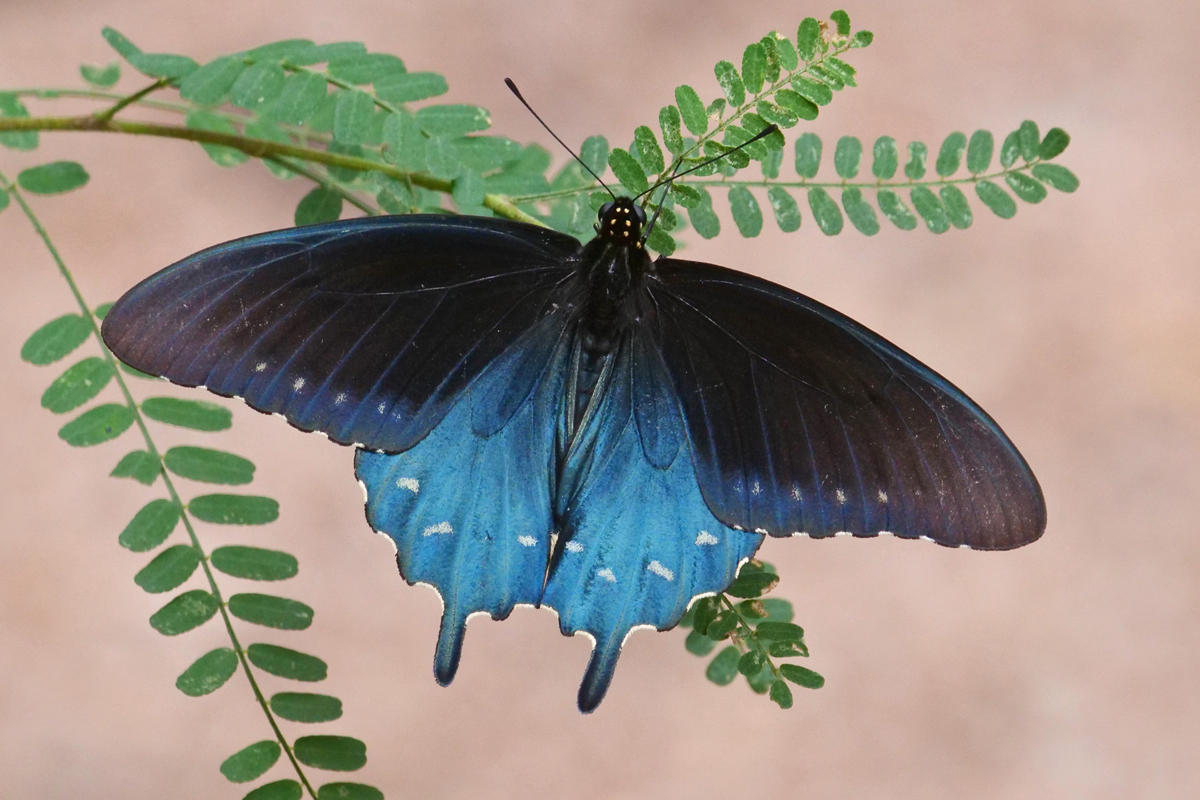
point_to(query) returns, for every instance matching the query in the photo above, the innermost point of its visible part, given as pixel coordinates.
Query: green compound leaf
(751, 663)
(785, 51)
(787, 212)
(761, 681)
(169, 569)
(140, 465)
(486, 153)
(97, 425)
(842, 20)
(210, 84)
(119, 43)
(209, 466)
(825, 212)
(698, 643)
(914, 170)
(1011, 149)
(101, 311)
(254, 563)
(842, 70)
(56, 339)
(808, 38)
(862, 39)
(787, 649)
(285, 48)
(685, 195)
(1055, 142)
(4, 200)
(772, 163)
(79, 384)
(895, 210)
(801, 676)
(669, 122)
(979, 151)
(198, 415)
(299, 99)
(365, 68)
(53, 178)
(780, 631)
(724, 668)
(751, 609)
(287, 663)
(846, 156)
(150, 527)
(185, 612)
(792, 101)
(251, 762)
(783, 117)
(753, 584)
(812, 90)
(328, 52)
(594, 153)
(409, 87)
(722, 626)
(828, 77)
(11, 106)
(468, 190)
(691, 108)
(306, 707)
(348, 791)
(286, 789)
(1029, 140)
(208, 673)
(441, 156)
(951, 153)
(163, 65)
(1057, 176)
(808, 155)
(777, 610)
(258, 86)
(931, 209)
(746, 213)
(647, 147)
(201, 120)
(271, 611)
(352, 117)
(340, 753)
(861, 215)
(754, 65)
(781, 694)
(703, 218)
(704, 612)
(234, 509)
(1025, 187)
(628, 171)
(731, 82)
(103, 77)
(660, 241)
(958, 210)
(453, 120)
(319, 205)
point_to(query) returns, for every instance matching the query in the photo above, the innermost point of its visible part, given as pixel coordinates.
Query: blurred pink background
(1065, 669)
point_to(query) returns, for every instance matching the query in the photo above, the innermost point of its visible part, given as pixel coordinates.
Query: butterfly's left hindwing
(363, 329)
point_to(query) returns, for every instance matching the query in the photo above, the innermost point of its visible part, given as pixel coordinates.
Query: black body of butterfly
(577, 426)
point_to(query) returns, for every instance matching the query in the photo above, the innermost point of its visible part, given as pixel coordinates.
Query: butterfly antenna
(672, 177)
(512, 86)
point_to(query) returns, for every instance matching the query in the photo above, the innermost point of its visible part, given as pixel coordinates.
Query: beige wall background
(1066, 669)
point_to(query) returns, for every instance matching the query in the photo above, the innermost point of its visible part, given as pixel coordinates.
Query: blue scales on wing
(488, 500)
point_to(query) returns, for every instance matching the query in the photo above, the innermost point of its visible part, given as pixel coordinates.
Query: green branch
(256, 148)
(90, 316)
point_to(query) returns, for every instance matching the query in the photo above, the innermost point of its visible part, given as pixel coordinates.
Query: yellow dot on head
(627, 223)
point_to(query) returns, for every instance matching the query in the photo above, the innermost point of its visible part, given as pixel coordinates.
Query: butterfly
(576, 426)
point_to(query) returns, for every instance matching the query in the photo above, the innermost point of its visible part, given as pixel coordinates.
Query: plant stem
(257, 148)
(88, 314)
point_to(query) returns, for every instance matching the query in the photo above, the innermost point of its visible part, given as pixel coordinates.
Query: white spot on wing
(441, 527)
(841, 496)
(607, 574)
(381, 408)
(704, 537)
(298, 384)
(796, 493)
(259, 367)
(756, 489)
(573, 547)
(341, 398)
(528, 541)
(660, 570)
(412, 484)
(882, 496)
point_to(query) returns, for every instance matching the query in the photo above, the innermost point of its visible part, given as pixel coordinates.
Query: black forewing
(364, 329)
(802, 421)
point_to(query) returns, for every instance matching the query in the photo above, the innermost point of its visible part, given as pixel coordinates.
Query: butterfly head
(621, 222)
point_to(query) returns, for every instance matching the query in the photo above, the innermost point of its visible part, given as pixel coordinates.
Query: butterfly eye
(605, 209)
(641, 214)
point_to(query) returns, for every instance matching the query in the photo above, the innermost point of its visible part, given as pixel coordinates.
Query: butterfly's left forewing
(366, 329)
